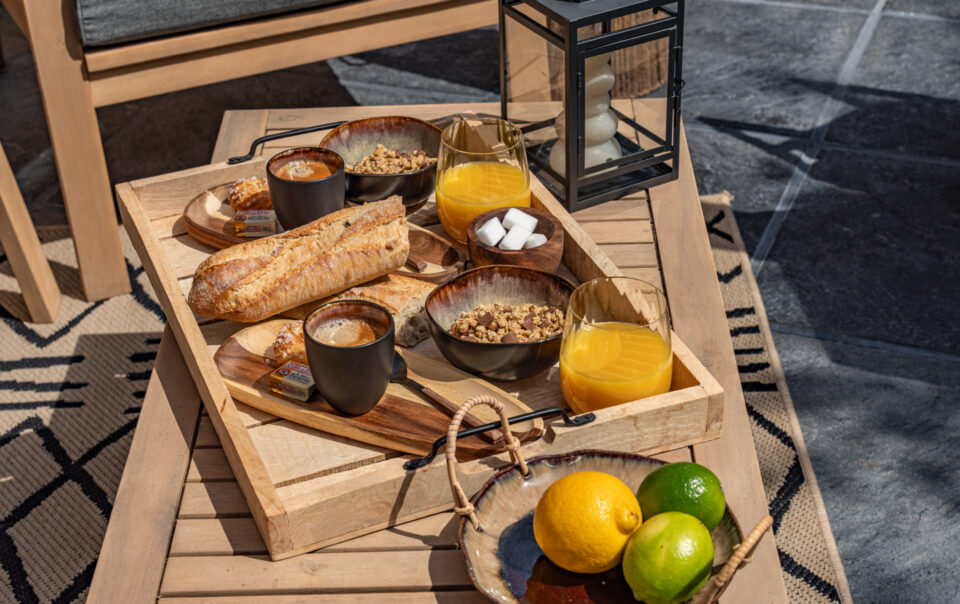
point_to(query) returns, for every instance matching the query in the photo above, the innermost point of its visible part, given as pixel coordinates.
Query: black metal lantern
(560, 60)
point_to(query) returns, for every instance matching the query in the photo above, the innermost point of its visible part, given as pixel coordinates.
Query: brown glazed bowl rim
(539, 214)
(555, 460)
(352, 302)
(353, 123)
(321, 150)
(489, 268)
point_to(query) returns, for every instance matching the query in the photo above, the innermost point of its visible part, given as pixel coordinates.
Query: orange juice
(610, 363)
(468, 190)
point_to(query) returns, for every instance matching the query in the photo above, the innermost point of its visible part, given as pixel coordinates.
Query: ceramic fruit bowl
(506, 564)
(512, 285)
(359, 138)
(545, 257)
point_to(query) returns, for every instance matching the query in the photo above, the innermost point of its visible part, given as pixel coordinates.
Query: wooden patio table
(180, 530)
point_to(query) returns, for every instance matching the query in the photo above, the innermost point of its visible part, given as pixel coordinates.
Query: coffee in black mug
(350, 347)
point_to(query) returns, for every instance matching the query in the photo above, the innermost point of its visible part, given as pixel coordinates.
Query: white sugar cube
(515, 217)
(534, 240)
(491, 232)
(514, 239)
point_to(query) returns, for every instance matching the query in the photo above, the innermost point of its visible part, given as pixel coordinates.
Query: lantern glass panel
(624, 108)
(534, 86)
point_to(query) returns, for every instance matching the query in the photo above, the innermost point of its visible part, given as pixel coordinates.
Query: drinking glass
(616, 344)
(482, 166)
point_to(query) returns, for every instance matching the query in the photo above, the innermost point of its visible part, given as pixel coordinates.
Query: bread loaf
(252, 281)
(402, 296)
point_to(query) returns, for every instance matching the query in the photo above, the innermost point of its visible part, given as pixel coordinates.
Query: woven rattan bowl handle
(736, 560)
(461, 503)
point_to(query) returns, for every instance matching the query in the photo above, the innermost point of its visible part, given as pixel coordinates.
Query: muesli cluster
(506, 323)
(389, 161)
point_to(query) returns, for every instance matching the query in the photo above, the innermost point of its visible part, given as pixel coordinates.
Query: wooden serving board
(400, 421)
(307, 489)
(208, 218)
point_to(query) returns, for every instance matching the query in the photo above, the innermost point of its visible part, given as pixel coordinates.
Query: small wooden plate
(209, 218)
(443, 258)
(400, 421)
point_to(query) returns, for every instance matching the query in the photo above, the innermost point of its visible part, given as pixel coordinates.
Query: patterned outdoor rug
(70, 395)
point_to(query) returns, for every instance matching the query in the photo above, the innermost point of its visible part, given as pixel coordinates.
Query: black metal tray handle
(579, 420)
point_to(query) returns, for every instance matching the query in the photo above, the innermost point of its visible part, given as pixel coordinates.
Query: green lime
(683, 487)
(668, 559)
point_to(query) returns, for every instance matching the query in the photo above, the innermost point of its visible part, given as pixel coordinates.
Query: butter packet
(293, 380)
(255, 223)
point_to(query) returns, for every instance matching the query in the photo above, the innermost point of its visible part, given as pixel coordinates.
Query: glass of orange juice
(482, 166)
(616, 344)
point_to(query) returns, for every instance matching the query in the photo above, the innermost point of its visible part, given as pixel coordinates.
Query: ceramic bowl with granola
(388, 155)
(500, 322)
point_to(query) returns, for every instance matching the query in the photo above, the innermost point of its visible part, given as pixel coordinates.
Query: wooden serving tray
(307, 489)
(400, 421)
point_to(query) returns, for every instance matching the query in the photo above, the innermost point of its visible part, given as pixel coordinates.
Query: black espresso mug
(350, 351)
(305, 184)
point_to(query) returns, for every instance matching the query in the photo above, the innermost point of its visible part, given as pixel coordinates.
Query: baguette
(251, 281)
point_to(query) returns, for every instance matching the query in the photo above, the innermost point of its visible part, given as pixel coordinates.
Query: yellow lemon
(582, 522)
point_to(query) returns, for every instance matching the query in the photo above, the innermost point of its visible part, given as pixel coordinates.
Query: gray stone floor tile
(12, 42)
(857, 4)
(754, 167)
(906, 91)
(475, 65)
(870, 250)
(178, 130)
(941, 8)
(762, 64)
(375, 84)
(883, 432)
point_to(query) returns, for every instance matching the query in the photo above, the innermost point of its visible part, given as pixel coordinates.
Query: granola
(507, 324)
(388, 161)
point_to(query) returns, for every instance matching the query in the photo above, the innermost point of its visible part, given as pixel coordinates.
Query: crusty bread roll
(402, 296)
(289, 345)
(250, 194)
(252, 281)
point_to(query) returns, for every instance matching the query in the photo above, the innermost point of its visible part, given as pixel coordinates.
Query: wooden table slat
(315, 573)
(212, 500)
(442, 597)
(208, 465)
(632, 207)
(627, 255)
(235, 536)
(149, 489)
(623, 231)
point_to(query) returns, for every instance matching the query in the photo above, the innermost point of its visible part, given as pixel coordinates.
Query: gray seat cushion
(104, 22)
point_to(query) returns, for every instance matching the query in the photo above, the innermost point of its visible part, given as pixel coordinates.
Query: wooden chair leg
(75, 136)
(22, 247)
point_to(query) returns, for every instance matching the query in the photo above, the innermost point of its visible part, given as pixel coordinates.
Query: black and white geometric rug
(70, 395)
(811, 566)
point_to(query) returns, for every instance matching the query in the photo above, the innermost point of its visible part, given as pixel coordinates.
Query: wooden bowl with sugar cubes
(519, 236)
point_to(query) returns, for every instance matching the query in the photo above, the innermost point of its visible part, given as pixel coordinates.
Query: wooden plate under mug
(209, 220)
(401, 420)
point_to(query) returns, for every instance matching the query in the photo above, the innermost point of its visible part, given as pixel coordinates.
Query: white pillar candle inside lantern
(599, 121)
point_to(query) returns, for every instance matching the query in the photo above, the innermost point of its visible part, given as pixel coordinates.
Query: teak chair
(22, 247)
(74, 81)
